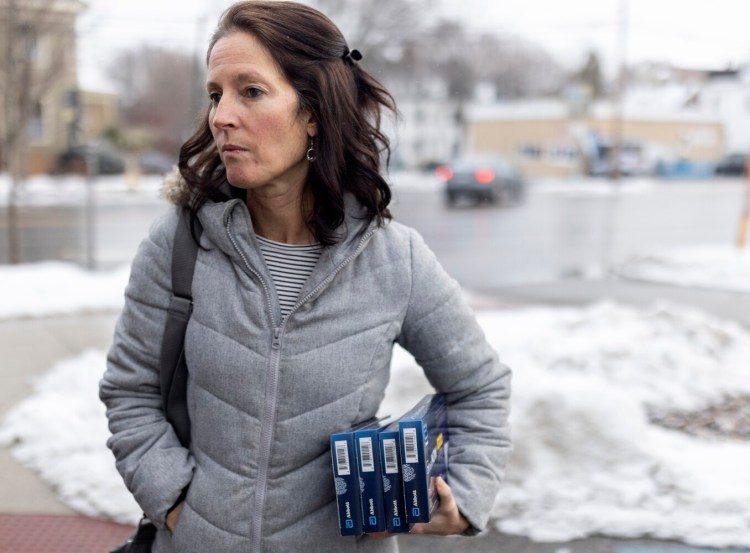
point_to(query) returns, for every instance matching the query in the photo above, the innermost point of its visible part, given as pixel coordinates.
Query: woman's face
(261, 136)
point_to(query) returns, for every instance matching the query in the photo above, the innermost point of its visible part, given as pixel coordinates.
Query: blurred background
(618, 102)
(579, 167)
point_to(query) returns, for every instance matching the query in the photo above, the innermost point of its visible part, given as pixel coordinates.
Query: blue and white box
(393, 485)
(423, 433)
(371, 474)
(346, 479)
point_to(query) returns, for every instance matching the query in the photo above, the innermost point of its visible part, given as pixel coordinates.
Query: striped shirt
(290, 266)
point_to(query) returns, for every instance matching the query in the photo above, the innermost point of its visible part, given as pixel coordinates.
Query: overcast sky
(693, 33)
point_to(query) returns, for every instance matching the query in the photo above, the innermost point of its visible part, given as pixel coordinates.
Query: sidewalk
(32, 519)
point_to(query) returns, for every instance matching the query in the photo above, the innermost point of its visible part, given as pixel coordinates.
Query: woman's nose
(224, 114)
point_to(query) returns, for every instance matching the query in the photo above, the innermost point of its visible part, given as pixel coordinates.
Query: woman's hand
(173, 516)
(446, 520)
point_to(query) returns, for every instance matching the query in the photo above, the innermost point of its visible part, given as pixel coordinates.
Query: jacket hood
(175, 190)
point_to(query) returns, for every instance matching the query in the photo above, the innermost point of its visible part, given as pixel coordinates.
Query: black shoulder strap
(172, 360)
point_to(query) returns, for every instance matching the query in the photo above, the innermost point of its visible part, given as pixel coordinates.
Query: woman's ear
(312, 126)
(312, 122)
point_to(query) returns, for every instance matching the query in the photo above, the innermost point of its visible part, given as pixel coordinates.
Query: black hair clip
(351, 56)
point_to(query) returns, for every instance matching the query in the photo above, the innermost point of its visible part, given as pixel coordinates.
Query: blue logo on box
(373, 521)
(397, 521)
(415, 512)
(350, 524)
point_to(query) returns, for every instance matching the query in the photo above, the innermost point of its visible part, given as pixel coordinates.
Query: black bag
(141, 541)
(172, 359)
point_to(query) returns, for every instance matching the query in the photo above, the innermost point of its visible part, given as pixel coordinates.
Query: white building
(430, 127)
(728, 99)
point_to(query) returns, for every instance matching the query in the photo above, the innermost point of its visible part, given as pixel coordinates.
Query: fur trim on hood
(175, 190)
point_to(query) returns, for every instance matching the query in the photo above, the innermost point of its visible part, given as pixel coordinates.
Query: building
(430, 125)
(99, 111)
(546, 138)
(38, 64)
(726, 96)
(429, 132)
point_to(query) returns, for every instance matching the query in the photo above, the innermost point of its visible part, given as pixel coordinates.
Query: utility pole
(610, 226)
(745, 215)
(618, 116)
(20, 100)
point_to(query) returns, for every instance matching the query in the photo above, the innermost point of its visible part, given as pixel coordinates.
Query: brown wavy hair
(345, 100)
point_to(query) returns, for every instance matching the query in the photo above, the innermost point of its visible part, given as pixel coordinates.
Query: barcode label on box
(342, 458)
(365, 455)
(410, 445)
(391, 460)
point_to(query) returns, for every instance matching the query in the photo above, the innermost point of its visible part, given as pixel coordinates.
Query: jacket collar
(220, 218)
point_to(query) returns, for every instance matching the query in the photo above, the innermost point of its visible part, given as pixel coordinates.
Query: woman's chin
(240, 181)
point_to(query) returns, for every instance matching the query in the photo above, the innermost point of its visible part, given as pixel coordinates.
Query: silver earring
(311, 156)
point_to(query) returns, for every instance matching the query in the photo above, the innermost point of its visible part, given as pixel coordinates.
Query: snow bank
(716, 267)
(587, 460)
(59, 190)
(61, 430)
(53, 288)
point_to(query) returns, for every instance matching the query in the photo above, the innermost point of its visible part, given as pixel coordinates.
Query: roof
(554, 109)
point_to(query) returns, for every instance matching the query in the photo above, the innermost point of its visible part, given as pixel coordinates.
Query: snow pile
(587, 461)
(711, 266)
(60, 190)
(61, 430)
(52, 288)
(592, 187)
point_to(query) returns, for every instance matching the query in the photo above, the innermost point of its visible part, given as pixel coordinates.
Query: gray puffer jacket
(265, 393)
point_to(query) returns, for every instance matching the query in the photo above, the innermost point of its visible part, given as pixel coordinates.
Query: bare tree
(38, 51)
(591, 75)
(380, 29)
(158, 90)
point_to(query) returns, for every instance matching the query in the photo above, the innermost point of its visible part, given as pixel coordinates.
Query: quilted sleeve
(443, 335)
(148, 454)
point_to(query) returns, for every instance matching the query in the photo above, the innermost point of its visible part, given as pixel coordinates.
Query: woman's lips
(232, 149)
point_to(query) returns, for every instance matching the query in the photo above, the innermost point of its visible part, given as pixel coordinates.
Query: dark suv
(733, 164)
(491, 179)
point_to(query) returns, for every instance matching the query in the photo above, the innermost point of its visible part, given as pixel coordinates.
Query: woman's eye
(253, 92)
(214, 97)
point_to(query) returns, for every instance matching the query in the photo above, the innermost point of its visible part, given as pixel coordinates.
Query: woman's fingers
(446, 519)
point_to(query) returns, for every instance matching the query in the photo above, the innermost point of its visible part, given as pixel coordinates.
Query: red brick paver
(59, 534)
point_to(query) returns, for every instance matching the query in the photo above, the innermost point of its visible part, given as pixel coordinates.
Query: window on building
(530, 151)
(36, 123)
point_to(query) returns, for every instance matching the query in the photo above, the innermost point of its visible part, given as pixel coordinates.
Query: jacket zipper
(266, 429)
(266, 426)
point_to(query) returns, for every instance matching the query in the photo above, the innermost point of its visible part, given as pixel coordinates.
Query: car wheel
(450, 199)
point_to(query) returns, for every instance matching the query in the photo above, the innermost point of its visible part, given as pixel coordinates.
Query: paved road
(559, 232)
(568, 231)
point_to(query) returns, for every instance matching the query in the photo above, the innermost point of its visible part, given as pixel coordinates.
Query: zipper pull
(276, 338)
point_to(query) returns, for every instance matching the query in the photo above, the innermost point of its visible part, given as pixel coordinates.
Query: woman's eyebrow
(241, 77)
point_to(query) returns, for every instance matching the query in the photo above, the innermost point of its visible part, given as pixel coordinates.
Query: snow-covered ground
(56, 288)
(714, 267)
(587, 460)
(586, 383)
(73, 189)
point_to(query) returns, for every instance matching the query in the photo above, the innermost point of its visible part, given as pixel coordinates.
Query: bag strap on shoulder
(172, 361)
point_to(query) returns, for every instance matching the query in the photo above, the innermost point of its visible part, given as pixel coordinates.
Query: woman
(302, 285)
